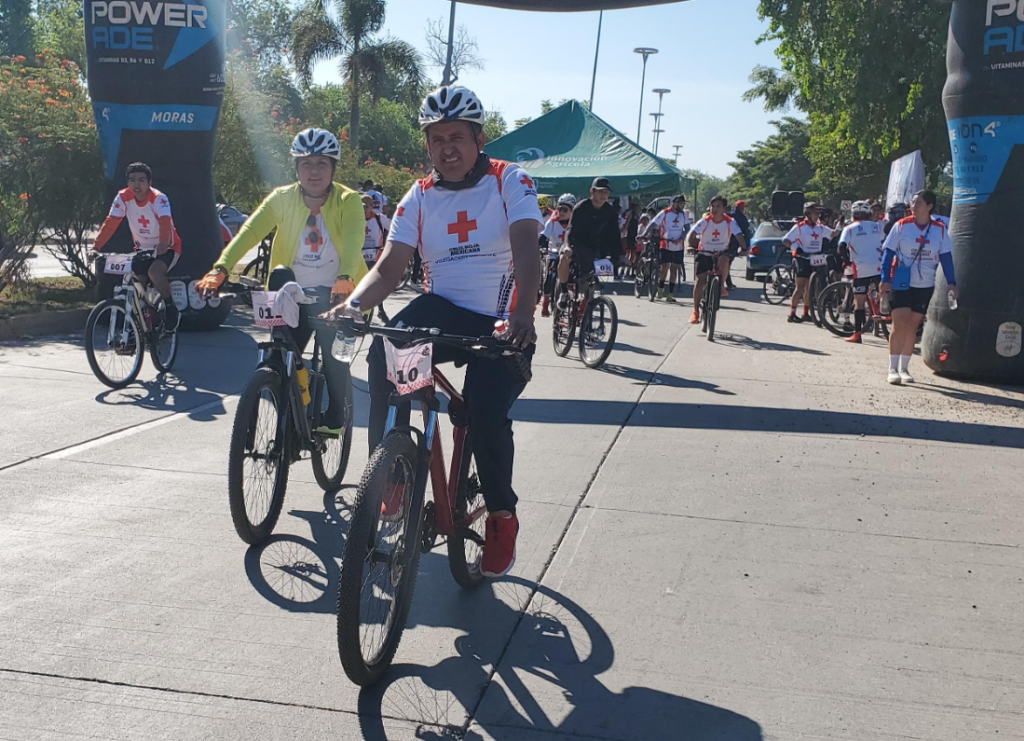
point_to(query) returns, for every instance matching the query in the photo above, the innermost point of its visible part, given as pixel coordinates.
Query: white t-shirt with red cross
(919, 247)
(715, 235)
(463, 236)
(555, 233)
(672, 228)
(807, 237)
(864, 240)
(316, 262)
(144, 218)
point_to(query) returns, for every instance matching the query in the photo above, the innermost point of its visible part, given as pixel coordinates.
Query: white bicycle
(119, 329)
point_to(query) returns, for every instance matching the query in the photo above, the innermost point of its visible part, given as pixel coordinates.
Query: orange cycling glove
(211, 282)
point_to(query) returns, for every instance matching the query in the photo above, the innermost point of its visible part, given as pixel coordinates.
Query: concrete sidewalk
(751, 539)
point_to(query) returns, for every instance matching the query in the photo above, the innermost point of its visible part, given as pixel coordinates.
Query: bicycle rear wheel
(258, 457)
(563, 325)
(814, 292)
(598, 328)
(778, 285)
(330, 454)
(653, 271)
(713, 300)
(114, 359)
(836, 306)
(378, 570)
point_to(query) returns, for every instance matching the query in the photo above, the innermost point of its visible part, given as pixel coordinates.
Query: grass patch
(46, 294)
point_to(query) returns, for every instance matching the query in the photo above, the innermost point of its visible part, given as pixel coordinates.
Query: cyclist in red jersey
(157, 244)
(475, 223)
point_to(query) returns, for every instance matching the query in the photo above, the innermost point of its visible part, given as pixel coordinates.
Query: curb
(44, 323)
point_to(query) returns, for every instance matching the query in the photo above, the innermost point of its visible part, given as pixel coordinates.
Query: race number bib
(604, 268)
(370, 255)
(263, 309)
(410, 368)
(818, 260)
(117, 264)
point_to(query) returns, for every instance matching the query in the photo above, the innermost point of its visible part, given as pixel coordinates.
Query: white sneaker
(905, 377)
(894, 378)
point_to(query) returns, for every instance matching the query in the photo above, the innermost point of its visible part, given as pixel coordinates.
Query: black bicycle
(647, 270)
(277, 419)
(594, 315)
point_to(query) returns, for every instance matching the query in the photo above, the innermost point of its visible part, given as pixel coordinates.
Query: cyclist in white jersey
(710, 239)
(860, 244)
(157, 244)
(805, 239)
(552, 239)
(673, 224)
(475, 222)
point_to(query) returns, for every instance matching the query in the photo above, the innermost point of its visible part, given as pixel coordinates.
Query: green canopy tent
(565, 149)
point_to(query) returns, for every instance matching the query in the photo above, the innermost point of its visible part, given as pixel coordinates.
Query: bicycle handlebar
(486, 346)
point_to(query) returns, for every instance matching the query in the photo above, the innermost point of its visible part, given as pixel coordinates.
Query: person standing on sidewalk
(739, 215)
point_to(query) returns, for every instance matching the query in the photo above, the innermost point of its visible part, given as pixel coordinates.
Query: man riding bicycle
(553, 240)
(157, 244)
(672, 224)
(860, 244)
(710, 239)
(475, 223)
(805, 239)
(593, 234)
(318, 244)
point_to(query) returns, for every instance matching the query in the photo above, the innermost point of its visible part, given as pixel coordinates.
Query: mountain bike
(277, 418)
(392, 524)
(711, 299)
(836, 306)
(779, 284)
(646, 271)
(119, 329)
(595, 316)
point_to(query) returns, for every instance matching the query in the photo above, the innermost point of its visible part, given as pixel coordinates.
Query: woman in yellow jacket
(318, 244)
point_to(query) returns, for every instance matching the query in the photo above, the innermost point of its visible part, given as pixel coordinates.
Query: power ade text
(143, 16)
(1005, 38)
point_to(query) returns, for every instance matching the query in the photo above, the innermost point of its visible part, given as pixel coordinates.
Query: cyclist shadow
(659, 378)
(557, 650)
(301, 574)
(167, 393)
(729, 339)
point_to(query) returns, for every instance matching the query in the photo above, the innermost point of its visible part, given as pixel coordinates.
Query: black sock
(661, 284)
(858, 320)
(564, 286)
(671, 287)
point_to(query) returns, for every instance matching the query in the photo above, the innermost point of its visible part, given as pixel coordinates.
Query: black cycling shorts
(802, 267)
(860, 285)
(705, 261)
(667, 257)
(144, 258)
(915, 299)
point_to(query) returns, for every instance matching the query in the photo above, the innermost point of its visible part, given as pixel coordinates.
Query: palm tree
(366, 61)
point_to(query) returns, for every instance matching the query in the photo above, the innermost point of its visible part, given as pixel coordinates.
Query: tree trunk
(353, 122)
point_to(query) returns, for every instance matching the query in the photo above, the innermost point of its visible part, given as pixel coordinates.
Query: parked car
(232, 217)
(766, 248)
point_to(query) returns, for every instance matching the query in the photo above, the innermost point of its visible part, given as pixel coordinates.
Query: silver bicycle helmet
(451, 103)
(567, 199)
(312, 142)
(861, 207)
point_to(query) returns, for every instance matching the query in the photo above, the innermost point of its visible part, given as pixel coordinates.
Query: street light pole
(447, 80)
(597, 50)
(677, 147)
(646, 52)
(661, 91)
(657, 130)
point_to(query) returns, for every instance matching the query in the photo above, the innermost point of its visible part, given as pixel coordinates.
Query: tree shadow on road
(550, 663)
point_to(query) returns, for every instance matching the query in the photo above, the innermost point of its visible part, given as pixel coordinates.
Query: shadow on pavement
(554, 641)
(975, 397)
(657, 379)
(728, 339)
(623, 347)
(764, 419)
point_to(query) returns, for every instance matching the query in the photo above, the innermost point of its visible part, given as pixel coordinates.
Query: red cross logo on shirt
(922, 241)
(814, 235)
(463, 226)
(401, 211)
(527, 182)
(144, 221)
(314, 245)
(716, 234)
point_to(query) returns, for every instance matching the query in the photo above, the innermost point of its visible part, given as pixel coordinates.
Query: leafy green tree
(60, 29)
(367, 62)
(778, 163)
(16, 28)
(494, 125)
(392, 135)
(708, 186)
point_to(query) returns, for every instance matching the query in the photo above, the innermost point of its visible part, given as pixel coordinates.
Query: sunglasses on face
(563, 209)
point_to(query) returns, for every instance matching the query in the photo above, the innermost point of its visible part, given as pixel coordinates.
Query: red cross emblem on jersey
(525, 180)
(313, 244)
(814, 235)
(144, 221)
(922, 241)
(716, 234)
(401, 211)
(462, 226)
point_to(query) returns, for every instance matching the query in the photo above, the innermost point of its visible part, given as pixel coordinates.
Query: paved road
(751, 539)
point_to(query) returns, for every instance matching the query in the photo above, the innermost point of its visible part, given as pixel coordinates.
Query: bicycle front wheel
(714, 298)
(466, 546)
(330, 454)
(163, 348)
(598, 328)
(814, 292)
(114, 354)
(258, 457)
(378, 570)
(836, 308)
(778, 285)
(563, 325)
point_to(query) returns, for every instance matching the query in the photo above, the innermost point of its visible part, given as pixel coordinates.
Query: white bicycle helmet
(567, 199)
(861, 207)
(316, 141)
(451, 103)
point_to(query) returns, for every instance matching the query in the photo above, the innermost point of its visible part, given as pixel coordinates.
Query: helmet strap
(483, 164)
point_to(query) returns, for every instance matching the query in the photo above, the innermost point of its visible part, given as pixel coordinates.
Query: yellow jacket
(285, 211)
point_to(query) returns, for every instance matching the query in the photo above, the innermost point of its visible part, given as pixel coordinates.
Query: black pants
(336, 372)
(490, 392)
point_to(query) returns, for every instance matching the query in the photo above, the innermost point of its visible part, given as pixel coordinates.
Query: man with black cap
(593, 233)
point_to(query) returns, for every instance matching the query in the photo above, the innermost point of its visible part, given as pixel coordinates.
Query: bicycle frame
(282, 353)
(131, 289)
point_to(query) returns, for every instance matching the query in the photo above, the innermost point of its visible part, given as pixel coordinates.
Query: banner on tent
(906, 177)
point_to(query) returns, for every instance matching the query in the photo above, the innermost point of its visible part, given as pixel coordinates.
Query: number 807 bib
(410, 368)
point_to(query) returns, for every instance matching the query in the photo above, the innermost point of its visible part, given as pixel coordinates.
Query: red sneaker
(545, 306)
(393, 502)
(854, 338)
(499, 545)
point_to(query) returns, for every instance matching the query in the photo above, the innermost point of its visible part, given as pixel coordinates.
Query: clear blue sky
(706, 51)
